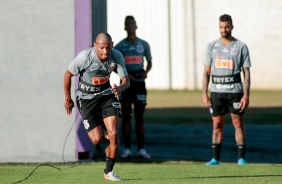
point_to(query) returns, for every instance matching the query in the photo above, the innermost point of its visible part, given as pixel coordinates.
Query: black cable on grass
(34, 171)
(63, 152)
(63, 156)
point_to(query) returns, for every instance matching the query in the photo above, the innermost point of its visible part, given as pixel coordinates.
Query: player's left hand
(144, 75)
(244, 102)
(116, 91)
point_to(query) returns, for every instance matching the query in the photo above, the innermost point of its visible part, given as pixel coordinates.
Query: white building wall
(194, 23)
(255, 23)
(178, 49)
(151, 18)
(37, 44)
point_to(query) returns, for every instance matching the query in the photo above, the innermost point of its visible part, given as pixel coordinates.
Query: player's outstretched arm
(125, 83)
(67, 85)
(123, 86)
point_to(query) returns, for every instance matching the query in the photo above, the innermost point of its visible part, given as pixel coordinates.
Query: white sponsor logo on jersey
(224, 86)
(131, 48)
(224, 50)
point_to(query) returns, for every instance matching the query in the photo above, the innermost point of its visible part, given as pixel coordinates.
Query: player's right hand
(144, 75)
(206, 100)
(131, 77)
(68, 106)
(116, 91)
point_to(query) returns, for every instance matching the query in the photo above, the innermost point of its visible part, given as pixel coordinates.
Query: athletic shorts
(94, 110)
(136, 93)
(223, 103)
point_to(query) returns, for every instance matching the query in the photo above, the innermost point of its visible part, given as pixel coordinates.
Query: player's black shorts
(94, 110)
(223, 103)
(136, 93)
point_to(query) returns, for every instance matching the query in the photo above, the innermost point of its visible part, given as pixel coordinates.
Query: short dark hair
(103, 36)
(225, 18)
(128, 17)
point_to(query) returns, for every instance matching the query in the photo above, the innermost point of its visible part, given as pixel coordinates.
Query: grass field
(185, 107)
(165, 107)
(147, 173)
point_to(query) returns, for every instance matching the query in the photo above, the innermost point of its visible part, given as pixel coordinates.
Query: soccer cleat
(126, 153)
(143, 154)
(111, 176)
(213, 162)
(242, 161)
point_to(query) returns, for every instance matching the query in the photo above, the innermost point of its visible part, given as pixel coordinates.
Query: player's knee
(140, 130)
(97, 140)
(112, 135)
(139, 116)
(126, 115)
(238, 124)
(217, 131)
(218, 127)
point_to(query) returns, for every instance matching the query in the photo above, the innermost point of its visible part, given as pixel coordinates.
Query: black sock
(241, 150)
(140, 141)
(110, 162)
(126, 140)
(216, 147)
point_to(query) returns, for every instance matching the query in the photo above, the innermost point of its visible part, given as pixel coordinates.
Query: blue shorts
(223, 103)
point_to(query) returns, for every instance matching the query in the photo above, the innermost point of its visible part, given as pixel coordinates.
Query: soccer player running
(96, 99)
(134, 50)
(225, 58)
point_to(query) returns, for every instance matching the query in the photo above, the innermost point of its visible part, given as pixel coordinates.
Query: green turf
(147, 173)
(166, 107)
(185, 107)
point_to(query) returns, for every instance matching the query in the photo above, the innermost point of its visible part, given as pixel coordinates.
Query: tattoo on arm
(247, 81)
(206, 79)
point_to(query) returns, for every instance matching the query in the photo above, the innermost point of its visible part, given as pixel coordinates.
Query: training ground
(193, 143)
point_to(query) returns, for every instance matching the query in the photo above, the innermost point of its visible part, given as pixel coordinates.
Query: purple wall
(82, 41)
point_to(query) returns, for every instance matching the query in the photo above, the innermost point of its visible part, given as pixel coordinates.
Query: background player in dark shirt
(134, 50)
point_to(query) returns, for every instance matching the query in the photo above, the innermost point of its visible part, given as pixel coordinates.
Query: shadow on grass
(207, 177)
(187, 115)
(184, 134)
